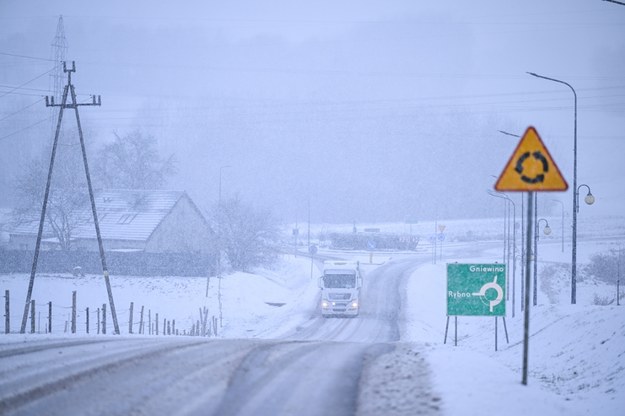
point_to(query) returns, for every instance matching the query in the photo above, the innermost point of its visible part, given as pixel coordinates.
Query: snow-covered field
(577, 352)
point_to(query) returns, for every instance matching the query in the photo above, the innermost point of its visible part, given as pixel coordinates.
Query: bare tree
(68, 195)
(132, 162)
(248, 236)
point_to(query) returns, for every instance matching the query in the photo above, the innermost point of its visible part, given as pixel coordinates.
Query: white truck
(340, 288)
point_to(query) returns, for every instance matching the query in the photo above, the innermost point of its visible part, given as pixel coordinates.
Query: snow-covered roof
(122, 214)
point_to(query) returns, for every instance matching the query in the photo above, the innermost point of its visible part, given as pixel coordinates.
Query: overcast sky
(372, 111)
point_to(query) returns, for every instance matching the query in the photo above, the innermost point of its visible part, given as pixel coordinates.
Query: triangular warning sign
(531, 168)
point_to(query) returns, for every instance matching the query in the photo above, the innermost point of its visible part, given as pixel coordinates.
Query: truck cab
(340, 288)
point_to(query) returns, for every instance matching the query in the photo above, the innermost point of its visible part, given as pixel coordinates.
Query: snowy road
(328, 366)
(379, 319)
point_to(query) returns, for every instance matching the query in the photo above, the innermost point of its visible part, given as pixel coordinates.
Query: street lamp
(508, 200)
(547, 231)
(574, 249)
(221, 168)
(562, 207)
(523, 254)
(589, 199)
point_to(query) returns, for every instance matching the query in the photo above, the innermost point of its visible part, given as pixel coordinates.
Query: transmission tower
(58, 51)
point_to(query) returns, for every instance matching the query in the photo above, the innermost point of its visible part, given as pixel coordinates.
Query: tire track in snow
(14, 396)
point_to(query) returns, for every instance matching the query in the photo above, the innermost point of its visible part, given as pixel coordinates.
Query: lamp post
(562, 207)
(574, 248)
(221, 168)
(588, 199)
(547, 231)
(509, 201)
(523, 253)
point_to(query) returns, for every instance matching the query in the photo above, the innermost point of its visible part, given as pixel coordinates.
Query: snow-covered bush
(605, 267)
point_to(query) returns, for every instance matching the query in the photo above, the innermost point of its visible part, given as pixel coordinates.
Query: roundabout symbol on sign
(497, 288)
(539, 177)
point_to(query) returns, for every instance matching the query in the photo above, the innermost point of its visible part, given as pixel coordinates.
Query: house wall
(109, 245)
(28, 242)
(184, 230)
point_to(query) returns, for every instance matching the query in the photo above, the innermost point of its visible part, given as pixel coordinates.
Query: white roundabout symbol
(495, 286)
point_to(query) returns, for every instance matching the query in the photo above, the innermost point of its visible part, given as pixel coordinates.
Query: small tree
(248, 236)
(132, 162)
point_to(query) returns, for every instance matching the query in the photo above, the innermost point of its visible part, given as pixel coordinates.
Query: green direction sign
(476, 289)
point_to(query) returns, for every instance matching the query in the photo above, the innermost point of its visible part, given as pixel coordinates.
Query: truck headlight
(355, 304)
(325, 304)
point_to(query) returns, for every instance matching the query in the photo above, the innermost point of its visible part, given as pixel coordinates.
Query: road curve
(327, 366)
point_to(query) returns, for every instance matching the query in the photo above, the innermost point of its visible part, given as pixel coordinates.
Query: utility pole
(71, 92)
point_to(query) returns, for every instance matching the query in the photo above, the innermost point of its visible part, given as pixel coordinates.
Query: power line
(25, 128)
(28, 82)
(26, 57)
(21, 109)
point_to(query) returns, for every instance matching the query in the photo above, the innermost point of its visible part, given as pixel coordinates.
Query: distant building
(154, 221)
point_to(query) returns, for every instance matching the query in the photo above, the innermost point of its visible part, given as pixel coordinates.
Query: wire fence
(49, 318)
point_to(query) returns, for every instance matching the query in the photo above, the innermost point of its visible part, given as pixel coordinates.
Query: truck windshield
(339, 281)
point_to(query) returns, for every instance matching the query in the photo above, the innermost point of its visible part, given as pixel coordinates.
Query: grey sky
(372, 110)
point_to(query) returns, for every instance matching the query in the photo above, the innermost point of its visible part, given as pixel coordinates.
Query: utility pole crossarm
(50, 102)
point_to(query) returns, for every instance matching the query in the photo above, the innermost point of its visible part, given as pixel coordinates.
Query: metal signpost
(371, 245)
(530, 169)
(312, 250)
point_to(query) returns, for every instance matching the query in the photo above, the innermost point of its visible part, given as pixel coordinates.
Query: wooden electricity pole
(69, 90)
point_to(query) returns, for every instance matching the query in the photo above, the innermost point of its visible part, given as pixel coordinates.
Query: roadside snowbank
(575, 353)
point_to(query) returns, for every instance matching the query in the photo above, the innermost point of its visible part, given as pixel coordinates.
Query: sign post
(312, 250)
(530, 169)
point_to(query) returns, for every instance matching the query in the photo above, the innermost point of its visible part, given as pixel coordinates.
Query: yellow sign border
(508, 181)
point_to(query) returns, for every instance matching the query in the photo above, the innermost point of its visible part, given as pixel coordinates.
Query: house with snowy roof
(150, 221)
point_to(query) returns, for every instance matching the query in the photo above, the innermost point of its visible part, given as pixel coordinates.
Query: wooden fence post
(104, 318)
(168, 326)
(87, 323)
(74, 312)
(50, 317)
(7, 313)
(156, 323)
(32, 316)
(98, 321)
(173, 326)
(141, 331)
(132, 304)
(150, 321)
